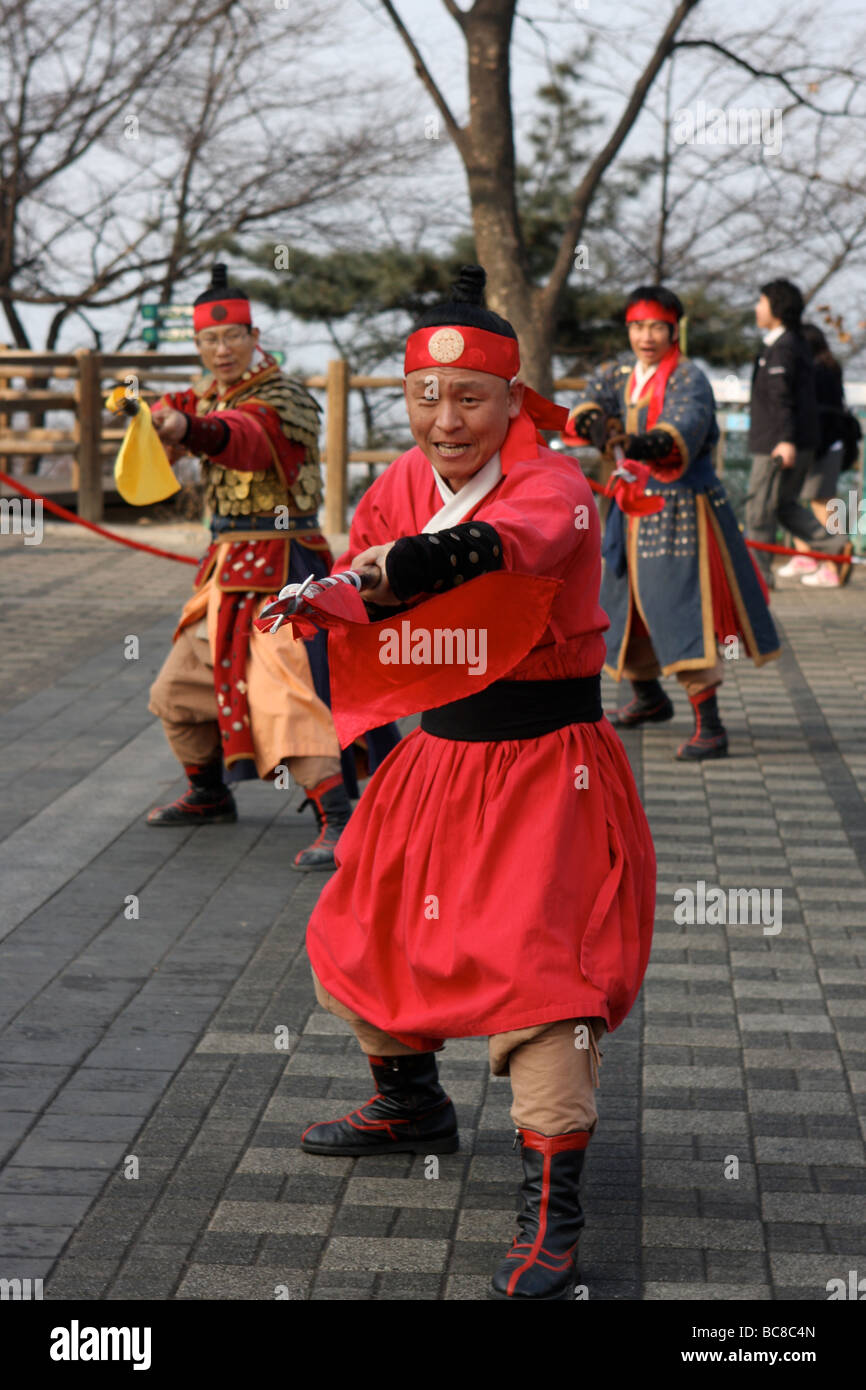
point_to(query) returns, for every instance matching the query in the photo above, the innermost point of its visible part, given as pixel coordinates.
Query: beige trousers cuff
(183, 696)
(554, 1067)
(641, 664)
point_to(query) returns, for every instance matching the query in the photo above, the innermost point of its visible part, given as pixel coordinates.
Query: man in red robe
(498, 877)
(234, 705)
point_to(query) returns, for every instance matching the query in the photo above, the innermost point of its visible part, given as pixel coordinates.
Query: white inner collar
(457, 504)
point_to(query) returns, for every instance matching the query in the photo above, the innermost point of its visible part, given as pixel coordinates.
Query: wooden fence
(78, 382)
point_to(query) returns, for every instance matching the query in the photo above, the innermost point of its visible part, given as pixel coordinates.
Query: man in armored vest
(234, 705)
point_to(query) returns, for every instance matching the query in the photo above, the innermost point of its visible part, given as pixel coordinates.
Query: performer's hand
(594, 427)
(787, 454)
(617, 439)
(170, 425)
(382, 595)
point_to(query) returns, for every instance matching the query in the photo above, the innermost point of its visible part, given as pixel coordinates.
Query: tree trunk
(490, 169)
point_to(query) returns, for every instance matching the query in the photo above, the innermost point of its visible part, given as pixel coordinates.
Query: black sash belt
(517, 709)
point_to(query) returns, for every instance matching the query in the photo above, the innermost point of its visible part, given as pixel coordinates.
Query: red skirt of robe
(479, 890)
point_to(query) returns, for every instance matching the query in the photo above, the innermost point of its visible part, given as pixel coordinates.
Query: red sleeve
(248, 447)
(668, 469)
(177, 400)
(373, 522)
(543, 525)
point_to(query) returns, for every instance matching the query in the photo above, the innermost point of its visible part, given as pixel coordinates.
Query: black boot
(332, 809)
(710, 739)
(207, 800)
(410, 1113)
(542, 1261)
(649, 705)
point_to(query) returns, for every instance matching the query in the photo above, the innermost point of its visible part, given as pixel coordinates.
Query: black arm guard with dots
(429, 564)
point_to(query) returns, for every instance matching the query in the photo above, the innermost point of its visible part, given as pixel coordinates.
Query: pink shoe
(797, 565)
(826, 577)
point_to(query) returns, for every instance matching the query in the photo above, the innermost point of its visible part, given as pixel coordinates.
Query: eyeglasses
(231, 338)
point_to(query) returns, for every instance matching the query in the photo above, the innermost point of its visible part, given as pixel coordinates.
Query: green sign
(161, 313)
(175, 334)
(167, 323)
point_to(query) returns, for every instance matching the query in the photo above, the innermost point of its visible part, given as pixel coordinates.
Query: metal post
(88, 434)
(336, 446)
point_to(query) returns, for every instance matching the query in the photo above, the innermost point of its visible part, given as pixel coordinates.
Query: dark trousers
(773, 500)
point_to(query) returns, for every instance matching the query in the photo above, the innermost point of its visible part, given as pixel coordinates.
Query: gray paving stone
(659, 1291)
(813, 1270)
(230, 1282)
(759, 1067)
(263, 1218)
(30, 1242)
(694, 1233)
(419, 1256)
(782, 1150)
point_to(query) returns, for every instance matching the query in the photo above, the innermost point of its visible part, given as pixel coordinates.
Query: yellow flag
(142, 471)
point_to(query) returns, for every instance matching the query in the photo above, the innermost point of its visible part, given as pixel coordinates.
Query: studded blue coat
(669, 568)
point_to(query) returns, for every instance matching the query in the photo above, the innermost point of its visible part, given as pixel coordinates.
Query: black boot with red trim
(710, 739)
(207, 800)
(332, 809)
(542, 1261)
(649, 705)
(410, 1113)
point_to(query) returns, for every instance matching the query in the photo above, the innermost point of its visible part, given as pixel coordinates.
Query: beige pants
(553, 1067)
(184, 698)
(641, 664)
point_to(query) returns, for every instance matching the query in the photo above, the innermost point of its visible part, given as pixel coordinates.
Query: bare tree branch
(454, 130)
(583, 194)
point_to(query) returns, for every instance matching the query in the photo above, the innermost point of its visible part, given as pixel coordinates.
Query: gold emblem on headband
(446, 345)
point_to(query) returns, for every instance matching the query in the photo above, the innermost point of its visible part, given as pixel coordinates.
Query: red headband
(459, 345)
(651, 309)
(217, 312)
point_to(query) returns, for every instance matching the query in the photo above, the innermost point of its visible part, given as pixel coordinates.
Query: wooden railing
(83, 378)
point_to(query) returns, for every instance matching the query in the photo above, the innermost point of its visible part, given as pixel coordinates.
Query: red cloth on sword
(449, 647)
(484, 887)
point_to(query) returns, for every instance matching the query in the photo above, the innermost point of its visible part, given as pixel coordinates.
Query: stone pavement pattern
(184, 1045)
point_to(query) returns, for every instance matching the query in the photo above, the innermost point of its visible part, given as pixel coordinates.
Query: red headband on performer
(462, 346)
(215, 313)
(478, 350)
(650, 309)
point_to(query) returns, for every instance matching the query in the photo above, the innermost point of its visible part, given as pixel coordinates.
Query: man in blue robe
(679, 582)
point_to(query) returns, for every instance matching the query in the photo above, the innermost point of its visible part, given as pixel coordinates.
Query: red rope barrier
(765, 545)
(187, 560)
(92, 526)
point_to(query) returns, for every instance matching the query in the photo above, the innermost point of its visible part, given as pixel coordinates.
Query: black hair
(819, 347)
(465, 305)
(786, 302)
(666, 298)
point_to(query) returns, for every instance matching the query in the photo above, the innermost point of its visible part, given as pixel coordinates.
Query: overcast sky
(364, 42)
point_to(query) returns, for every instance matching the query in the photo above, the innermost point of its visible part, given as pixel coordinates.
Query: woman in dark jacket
(823, 479)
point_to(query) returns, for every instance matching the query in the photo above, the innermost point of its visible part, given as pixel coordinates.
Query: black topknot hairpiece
(465, 306)
(468, 288)
(219, 286)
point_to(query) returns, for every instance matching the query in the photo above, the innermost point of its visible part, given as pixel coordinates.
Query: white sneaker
(826, 577)
(797, 566)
